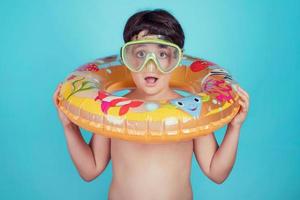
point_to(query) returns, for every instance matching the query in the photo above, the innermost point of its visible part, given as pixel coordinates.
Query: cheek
(165, 79)
(137, 78)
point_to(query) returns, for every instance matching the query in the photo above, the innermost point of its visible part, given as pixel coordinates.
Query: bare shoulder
(100, 144)
(205, 138)
(97, 138)
(206, 144)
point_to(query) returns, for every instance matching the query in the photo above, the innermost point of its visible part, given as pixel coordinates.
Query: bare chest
(131, 156)
(162, 170)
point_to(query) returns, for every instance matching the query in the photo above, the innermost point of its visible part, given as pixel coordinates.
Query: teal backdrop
(42, 41)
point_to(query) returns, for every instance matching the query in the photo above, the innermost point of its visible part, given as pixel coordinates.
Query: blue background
(43, 41)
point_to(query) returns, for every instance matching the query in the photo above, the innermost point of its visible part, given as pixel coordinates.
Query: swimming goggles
(136, 54)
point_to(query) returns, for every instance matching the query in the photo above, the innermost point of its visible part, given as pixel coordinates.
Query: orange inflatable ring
(210, 100)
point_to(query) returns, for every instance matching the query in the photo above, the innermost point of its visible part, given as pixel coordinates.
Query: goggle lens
(165, 56)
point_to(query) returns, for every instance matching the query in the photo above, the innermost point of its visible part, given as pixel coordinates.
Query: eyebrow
(138, 45)
(135, 47)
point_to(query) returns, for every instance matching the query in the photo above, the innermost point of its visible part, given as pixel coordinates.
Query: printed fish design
(108, 101)
(191, 104)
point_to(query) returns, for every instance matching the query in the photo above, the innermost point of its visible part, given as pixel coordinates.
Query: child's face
(150, 79)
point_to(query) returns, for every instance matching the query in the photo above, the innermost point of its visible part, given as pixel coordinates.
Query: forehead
(144, 35)
(150, 45)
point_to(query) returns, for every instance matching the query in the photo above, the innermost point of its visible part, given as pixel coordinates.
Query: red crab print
(89, 67)
(199, 65)
(108, 101)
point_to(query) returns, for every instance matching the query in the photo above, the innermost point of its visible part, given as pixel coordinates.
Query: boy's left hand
(244, 102)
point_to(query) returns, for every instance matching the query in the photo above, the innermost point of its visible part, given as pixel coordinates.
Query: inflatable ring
(88, 97)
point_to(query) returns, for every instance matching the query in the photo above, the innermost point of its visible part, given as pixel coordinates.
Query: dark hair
(157, 22)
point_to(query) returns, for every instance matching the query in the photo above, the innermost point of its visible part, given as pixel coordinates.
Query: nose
(151, 66)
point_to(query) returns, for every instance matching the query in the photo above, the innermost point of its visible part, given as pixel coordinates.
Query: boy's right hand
(63, 118)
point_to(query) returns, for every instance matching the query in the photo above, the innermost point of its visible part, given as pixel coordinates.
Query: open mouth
(150, 80)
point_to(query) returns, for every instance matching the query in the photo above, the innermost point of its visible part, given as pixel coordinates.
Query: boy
(153, 171)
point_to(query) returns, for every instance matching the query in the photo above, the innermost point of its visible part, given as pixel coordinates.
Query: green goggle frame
(151, 56)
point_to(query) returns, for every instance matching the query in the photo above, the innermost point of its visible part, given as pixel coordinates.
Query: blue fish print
(190, 104)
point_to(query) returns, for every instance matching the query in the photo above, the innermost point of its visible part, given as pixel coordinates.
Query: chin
(152, 91)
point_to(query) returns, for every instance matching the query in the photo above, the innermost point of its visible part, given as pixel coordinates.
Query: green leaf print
(81, 85)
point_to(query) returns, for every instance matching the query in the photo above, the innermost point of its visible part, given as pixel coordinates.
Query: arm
(217, 162)
(90, 159)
